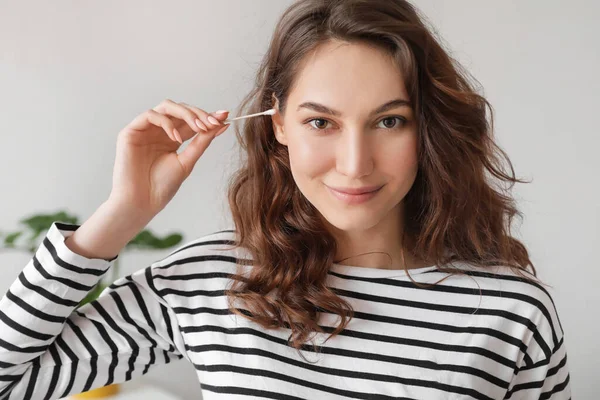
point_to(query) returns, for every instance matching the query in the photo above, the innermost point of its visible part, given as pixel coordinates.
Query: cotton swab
(268, 112)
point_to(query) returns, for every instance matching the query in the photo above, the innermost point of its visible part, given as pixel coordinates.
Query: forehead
(354, 77)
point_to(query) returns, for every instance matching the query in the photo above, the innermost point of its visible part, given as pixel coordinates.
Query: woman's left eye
(391, 125)
(399, 124)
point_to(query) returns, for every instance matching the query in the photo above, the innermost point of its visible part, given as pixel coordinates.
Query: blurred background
(73, 74)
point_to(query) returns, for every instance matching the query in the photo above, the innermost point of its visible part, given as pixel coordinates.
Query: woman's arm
(49, 350)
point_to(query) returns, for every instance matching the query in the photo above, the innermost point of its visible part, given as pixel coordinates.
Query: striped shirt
(487, 335)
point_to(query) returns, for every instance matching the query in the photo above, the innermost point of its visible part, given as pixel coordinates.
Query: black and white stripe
(486, 335)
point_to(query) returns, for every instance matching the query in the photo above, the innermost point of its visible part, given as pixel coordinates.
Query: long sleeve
(548, 379)
(546, 375)
(49, 350)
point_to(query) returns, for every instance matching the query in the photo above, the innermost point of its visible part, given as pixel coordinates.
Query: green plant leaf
(146, 239)
(171, 240)
(9, 240)
(93, 294)
(42, 222)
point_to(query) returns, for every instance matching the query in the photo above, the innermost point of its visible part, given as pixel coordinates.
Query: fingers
(192, 153)
(223, 129)
(185, 113)
(197, 119)
(208, 120)
(181, 121)
(158, 119)
(194, 150)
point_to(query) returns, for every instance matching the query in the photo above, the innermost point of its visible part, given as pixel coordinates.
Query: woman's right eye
(319, 126)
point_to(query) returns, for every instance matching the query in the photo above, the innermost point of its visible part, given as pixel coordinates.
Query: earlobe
(279, 133)
(278, 123)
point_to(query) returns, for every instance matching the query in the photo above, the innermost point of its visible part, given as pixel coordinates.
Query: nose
(354, 154)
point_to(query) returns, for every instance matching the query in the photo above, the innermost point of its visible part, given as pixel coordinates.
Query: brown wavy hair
(452, 212)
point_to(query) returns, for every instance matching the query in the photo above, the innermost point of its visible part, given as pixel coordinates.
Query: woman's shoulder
(527, 301)
(499, 276)
(505, 282)
(212, 252)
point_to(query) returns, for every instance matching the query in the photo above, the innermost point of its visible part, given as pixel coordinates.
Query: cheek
(400, 164)
(400, 156)
(308, 157)
(401, 168)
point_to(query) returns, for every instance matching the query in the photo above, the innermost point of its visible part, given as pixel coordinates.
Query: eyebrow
(311, 105)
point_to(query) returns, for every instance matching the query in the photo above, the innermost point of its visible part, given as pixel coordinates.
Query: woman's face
(357, 146)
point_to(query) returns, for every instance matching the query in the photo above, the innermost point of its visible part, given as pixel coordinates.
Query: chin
(347, 222)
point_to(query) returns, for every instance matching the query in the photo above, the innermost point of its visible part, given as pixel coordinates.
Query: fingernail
(221, 112)
(201, 125)
(213, 120)
(177, 136)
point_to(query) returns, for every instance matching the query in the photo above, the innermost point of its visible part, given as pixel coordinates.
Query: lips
(355, 199)
(361, 190)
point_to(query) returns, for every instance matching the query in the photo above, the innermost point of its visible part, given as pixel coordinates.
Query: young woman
(371, 255)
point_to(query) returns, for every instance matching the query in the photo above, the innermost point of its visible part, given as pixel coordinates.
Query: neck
(367, 247)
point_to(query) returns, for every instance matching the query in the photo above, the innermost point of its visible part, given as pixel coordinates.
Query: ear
(277, 120)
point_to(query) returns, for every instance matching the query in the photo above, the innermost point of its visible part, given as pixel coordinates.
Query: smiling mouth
(354, 198)
(356, 191)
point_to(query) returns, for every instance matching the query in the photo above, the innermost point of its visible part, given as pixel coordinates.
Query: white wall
(72, 74)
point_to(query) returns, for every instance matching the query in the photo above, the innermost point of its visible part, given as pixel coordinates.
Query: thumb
(194, 150)
(221, 115)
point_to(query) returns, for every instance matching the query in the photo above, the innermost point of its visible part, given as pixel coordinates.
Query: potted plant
(37, 226)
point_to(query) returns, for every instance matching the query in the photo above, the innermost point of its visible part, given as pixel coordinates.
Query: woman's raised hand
(148, 171)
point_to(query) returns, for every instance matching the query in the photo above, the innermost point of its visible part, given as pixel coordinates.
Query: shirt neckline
(370, 272)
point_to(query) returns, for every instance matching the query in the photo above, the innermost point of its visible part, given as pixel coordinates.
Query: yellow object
(99, 393)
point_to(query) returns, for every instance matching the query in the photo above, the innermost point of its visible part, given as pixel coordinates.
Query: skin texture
(354, 149)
